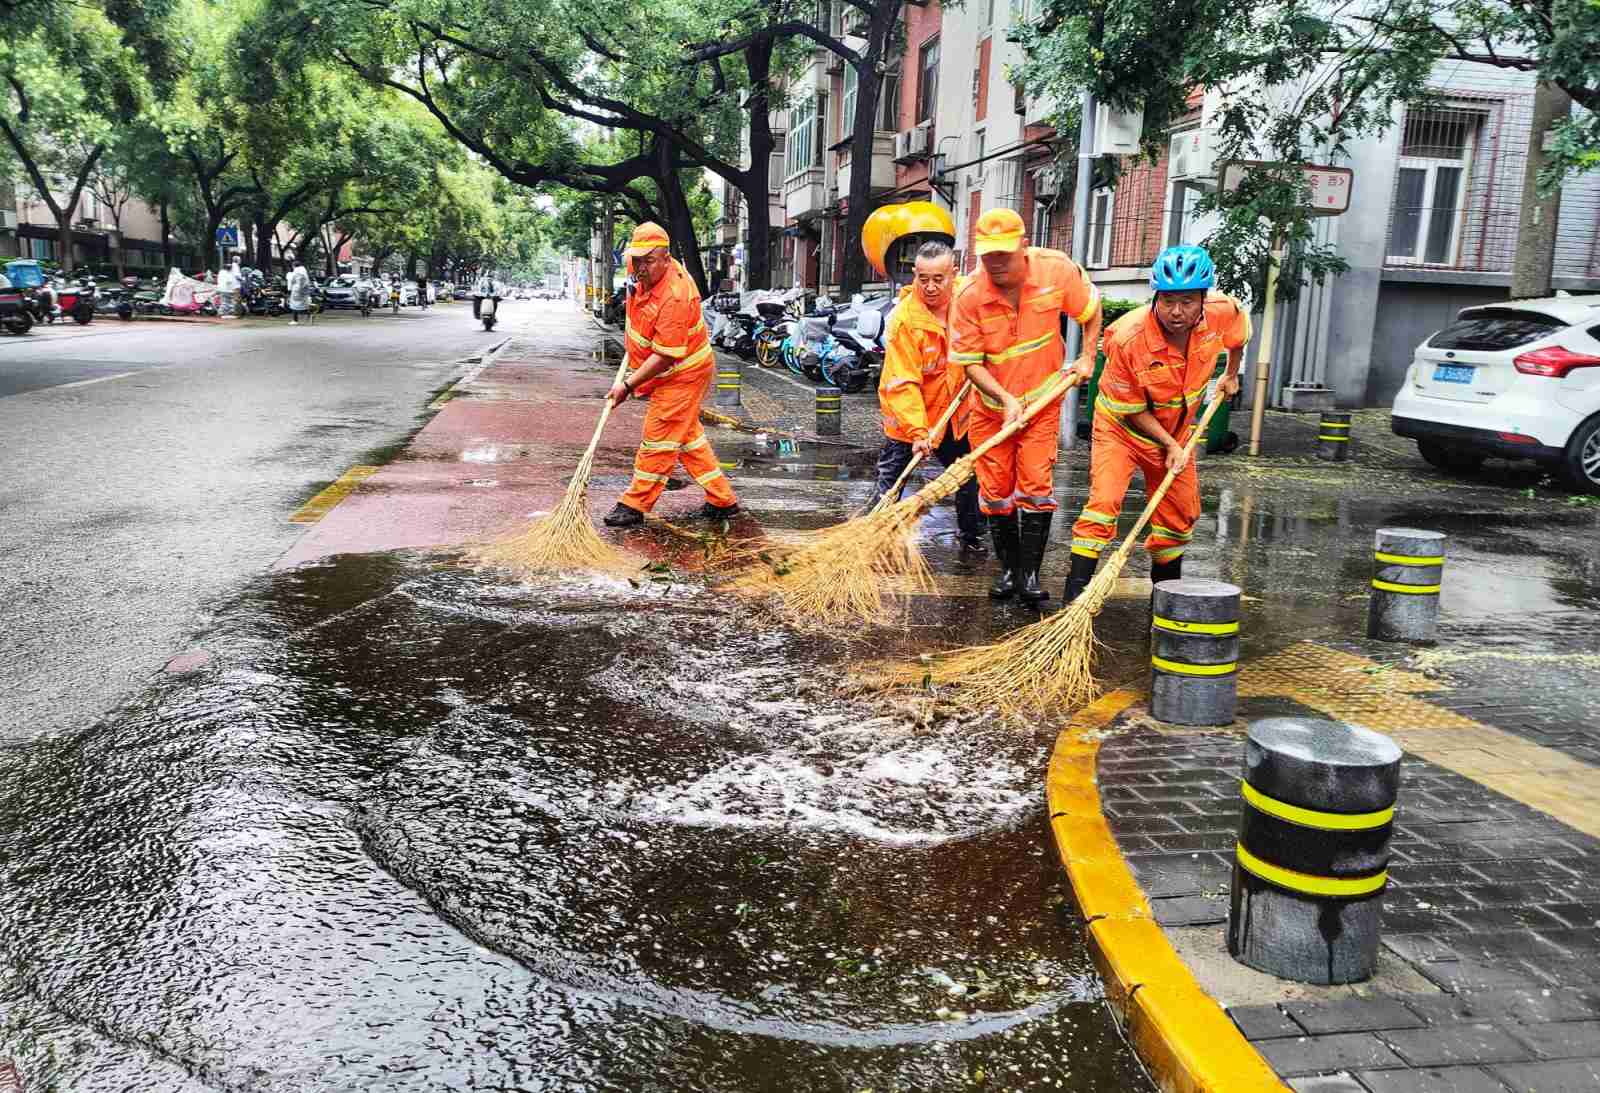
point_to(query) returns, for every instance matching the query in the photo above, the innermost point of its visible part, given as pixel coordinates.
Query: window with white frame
(1184, 223)
(1098, 253)
(979, 142)
(1040, 237)
(803, 149)
(889, 99)
(848, 102)
(928, 80)
(1436, 149)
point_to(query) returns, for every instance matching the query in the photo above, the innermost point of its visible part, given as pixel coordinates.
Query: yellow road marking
(323, 503)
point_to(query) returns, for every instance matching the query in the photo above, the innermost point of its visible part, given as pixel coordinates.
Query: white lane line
(97, 379)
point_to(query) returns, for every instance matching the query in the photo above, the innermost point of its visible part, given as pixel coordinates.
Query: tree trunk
(120, 251)
(864, 127)
(64, 237)
(680, 225)
(1534, 264)
(757, 183)
(166, 234)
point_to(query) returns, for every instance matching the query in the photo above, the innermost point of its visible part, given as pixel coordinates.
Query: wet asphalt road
(148, 468)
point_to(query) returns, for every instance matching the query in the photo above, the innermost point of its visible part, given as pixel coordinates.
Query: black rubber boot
(1035, 537)
(1006, 550)
(1166, 571)
(623, 516)
(1083, 567)
(708, 511)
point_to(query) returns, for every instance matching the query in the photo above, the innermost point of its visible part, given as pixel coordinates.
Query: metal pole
(1080, 253)
(1269, 316)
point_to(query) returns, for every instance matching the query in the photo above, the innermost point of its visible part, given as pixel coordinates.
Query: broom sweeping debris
(934, 436)
(839, 576)
(1048, 665)
(564, 538)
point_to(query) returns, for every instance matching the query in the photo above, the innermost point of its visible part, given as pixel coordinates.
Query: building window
(1435, 148)
(988, 16)
(42, 249)
(928, 80)
(847, 108)
(1184, 223)
(803, 150)
(1098, 254)
(979, 144)
(889, 100)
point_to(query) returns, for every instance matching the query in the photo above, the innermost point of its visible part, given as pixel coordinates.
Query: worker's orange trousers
(1112, 461)
(672, 432)
(1019, 473)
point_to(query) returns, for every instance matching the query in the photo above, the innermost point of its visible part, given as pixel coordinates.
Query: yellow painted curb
(323, 503)
(1183, 1037)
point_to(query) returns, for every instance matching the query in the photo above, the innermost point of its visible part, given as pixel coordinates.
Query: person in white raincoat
(299, 293)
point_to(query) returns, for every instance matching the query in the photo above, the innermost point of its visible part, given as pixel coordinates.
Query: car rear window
(1495, 330)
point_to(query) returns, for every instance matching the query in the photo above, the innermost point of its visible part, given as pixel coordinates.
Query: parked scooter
(76, 298)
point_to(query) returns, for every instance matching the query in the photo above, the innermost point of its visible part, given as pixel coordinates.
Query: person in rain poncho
(299, 293)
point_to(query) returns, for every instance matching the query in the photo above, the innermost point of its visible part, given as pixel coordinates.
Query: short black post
(1407, 572)
(828, 399)
(1313, 853)
(1194, 652)
(730, 380)
(1333, 437)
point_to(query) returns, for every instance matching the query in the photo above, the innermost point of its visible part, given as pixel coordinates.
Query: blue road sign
(228, 235)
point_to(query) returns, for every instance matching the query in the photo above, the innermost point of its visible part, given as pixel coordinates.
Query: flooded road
(413, 828)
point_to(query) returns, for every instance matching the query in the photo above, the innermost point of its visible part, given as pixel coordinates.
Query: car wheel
(1446, 458)
(1583, 457)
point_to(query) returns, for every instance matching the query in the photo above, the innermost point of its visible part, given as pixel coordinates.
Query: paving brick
(1353, 1015)
(1502, 1006)
(1506, 945)
(1402, 921)
(1529, 848)
(1264, 1022)
(1517, 872)
(1149, 808)
(1449, 1079)
(1145, 825)
(1500, 918)
(1215, 840)
(1475, 975)
(1577, 941)
(1169, 791)
(1521, 894)
(1190, 910)
(1434, 896)
(1563, 1040)
(1420, 948)
(1448, 1045)
(1575, 1076)
(1323, 1054)
(1444, 852)
(1408, 874)
(1327, 1083)
(1582, 915)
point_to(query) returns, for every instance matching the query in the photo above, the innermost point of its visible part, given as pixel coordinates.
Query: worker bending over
(1159, 361)
(919, 382)
(1006, 332)
(670, 353)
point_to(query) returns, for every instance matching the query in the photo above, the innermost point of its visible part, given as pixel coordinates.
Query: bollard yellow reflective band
(1340, 439)
(1192, 669)
(1409, 559)
(1306, 817)
(1337, 887)
(1405, 589)
(1334, 425)
(1178, 626)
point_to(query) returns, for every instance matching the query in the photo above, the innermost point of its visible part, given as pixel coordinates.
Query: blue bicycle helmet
(1182, 269)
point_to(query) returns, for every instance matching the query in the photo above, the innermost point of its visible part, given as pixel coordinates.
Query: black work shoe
(1035, 537)
(708, 511)
(1006, 548)
(1083, 567)
(624, 516)
(677, 484)
(973, 546)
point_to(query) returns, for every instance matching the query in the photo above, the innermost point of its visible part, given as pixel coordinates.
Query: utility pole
(608, 244)
(1534, 263)
(1080, 254)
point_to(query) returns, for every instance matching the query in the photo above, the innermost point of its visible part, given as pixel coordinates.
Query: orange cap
(999, 230)
(648, 237)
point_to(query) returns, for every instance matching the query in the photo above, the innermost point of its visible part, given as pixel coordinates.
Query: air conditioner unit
(1189, 156)
(1117, 132)
(920, 139)
(8, 220)
(903, 151)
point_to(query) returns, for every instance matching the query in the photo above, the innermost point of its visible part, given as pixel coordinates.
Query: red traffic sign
(1330, 186)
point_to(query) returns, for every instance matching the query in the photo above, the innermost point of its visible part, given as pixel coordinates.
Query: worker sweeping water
(669, 352)
(1006, 333)
(1159, 362)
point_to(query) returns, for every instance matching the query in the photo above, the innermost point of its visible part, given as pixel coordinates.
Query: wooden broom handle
(1172, 475)
(933, 442)
(1032, 411)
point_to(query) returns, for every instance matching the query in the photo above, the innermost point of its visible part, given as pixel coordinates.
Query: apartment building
(101, 234)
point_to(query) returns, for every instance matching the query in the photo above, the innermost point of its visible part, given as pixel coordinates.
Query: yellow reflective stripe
(1179, 626)
(1168, 533)
(636, 336)
(1098, 518)
(1192, 669)
(1116, 407)
(1094, 546)
(1409, 559)
(1135, 436)
(1092, 306)
(1168, 554)
(966, 358)
(1304, 882)
(1334, 425)
(1046, 386)
(1085, 552)
(646, 476)
(708, 476)
(659, 445)
(1307, 817)
(669, 350)
(1407, 589)
(693, 360)
(695, 445)
(1022, 349)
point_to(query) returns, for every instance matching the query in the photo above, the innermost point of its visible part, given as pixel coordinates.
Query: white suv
(1518, 380)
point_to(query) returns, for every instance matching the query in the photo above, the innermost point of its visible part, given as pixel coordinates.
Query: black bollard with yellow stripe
(1407, 573)
(1333, 437)
(828, 423)
(730, 380)
(1312, 858)
(1194, 652)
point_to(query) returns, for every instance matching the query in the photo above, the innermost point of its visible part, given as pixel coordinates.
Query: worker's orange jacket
(666, 319)
(1144, 372)
(1022, 349)
(918, 380)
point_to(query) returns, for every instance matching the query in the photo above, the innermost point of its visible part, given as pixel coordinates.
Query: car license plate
(1453, 373)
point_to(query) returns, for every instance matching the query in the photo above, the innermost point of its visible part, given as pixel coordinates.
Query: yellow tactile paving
(1351, 688)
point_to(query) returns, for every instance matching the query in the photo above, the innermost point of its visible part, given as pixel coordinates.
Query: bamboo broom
(1050, 664)
(564, 538)
(838, 577)
(934, 436)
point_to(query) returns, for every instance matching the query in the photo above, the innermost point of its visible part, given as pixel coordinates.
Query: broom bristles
(562, 540)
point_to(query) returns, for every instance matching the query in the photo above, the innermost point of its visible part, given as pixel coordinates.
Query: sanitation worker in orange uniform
(1159, 362)
(672, 364)
(1006, 332)
(919, 382)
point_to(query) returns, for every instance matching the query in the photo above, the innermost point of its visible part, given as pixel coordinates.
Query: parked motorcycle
(76, 298)
(38, 290)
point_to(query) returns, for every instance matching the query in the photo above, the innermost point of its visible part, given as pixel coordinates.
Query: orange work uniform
(918, 380)
(1022, 349)
(1144, 372)
(666, 319)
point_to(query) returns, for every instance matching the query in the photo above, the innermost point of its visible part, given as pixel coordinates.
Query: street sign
(1330, 186)
(228, 235)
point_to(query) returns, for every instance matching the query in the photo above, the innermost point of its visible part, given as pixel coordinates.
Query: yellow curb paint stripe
(1179, 1032)
(1179, 626)
(1192, 669)
(1406, 589)
(1334, 887)
(1409, 559)
(1306, 817)
(323, 503)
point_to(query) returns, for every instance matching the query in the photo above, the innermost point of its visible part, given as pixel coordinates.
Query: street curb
(1182, 1036)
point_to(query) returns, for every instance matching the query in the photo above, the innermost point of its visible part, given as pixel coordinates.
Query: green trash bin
(1216, 433)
